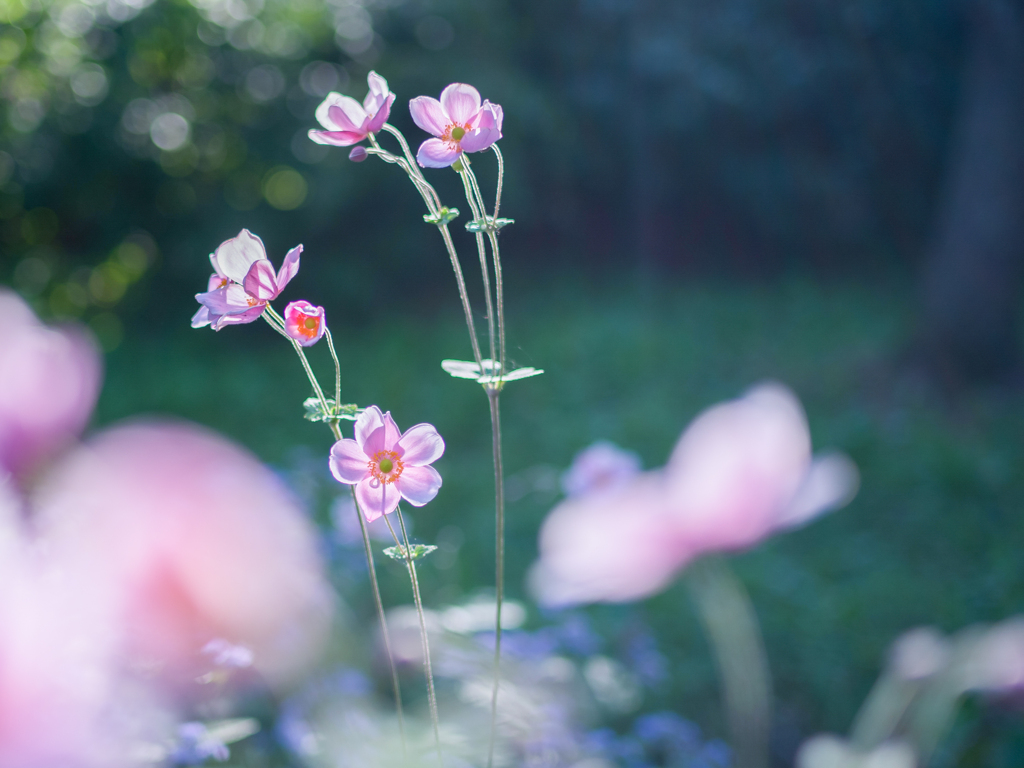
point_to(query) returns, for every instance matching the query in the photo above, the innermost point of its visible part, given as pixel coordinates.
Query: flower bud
(358, 154)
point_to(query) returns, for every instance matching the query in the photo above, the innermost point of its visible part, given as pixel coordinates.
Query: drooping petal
(429, 115)
(460, 102)
(235, 256)
(238, 319)
(420, 445)
(201, 318)
(261, 281)
(337, 138)
(418, 485)
(348, 462)
(368, 422)
(434, 153)
(340, 113)
(289, 268)
(376, 498)
(378, 118)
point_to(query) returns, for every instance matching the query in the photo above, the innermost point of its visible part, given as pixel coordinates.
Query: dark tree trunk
(972, 280)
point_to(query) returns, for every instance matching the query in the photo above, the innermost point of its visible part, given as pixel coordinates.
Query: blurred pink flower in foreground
(386, 465)
(304, 322)
(243, 282)
(188, 538)
(601, 465)
(347, 121)
(49, 381)
(459, 122)
(740, 471)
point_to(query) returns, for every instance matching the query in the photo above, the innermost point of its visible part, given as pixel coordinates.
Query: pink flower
(459, 121)
(386, 465)
(347, 121)
(187, 538)
(740, 471)
(243, 282)
(304, 322)
(602, 464)
(48, 388)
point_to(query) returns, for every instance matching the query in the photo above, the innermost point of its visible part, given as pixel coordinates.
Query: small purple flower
(459, 121)
(386, 465)
(349, 122)
(243, 282)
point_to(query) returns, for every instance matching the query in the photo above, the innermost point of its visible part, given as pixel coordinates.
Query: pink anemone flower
(349, 122)
(459, 122)
(304, 322)
(243, 282)
(741, 471)
(386, 465)
(50, 382)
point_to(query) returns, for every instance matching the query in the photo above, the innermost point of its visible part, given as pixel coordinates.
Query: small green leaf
(315, 410)
(489, 377)
(487, 224)
(444, 216)
(416, 552)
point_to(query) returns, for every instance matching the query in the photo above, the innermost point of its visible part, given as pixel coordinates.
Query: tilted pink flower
(49, 384)
(741, 471)
(245, 281)
(459, 121)
(349, 122)
(386, 465)
(304, 322)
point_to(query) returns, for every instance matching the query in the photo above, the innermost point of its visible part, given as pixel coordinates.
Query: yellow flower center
(386, 466)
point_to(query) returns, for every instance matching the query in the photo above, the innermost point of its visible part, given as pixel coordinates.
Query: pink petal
(380, 117)
(480, 139)
(367, 423)
(240, 318)
(348, 462)
(340, 113)
(376, 498)
(418, 485)
(216, 281)
(831, 482)
(378, 95)
(201, 318)
(261, 281)
(337, 138)
(429, 115)
(435, 153)
(496, 112)
(384, 438)
(289, 268)
(460, 102)
(296, 315)
(235, 256)
(420, 445)
(232, 299)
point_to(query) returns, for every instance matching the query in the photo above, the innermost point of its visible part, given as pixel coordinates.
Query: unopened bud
(358, 154)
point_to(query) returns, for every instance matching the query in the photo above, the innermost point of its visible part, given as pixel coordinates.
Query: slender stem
(405, 148)
(501, 177)
(499, 558)
(479, 215)
(492, 236)
(731, 626)
(337, 366)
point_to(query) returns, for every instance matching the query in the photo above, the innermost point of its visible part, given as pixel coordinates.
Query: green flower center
(311, 323)
(386, 465)
(458, 132)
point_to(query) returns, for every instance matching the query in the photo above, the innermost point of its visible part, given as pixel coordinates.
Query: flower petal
(378, 118)
(384, 438)
(376, 498)
(261, 281)
(378, 95)
(348, 462)
(480, 139)
(235, 256)
(831, 482)
(435, 153)
(340, 113)
(420, 445)
(460, 102)
(289, 268)
(238, 318)
(201, 318)
(418, 485)
(429, 115)
(367, 423)
(216, 281)
(337, 138)
(229, 300)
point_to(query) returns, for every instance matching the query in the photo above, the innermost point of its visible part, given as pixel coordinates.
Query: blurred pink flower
(602, 464)
(459, 122)
(245, 281)
(49, 385)
(347, 121)
(386, 465)
(304, 322)
(740, 471)
(188, 538)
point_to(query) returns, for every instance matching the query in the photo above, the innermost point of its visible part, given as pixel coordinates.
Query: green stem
(493, 395)
(337, 366)
(479, 215)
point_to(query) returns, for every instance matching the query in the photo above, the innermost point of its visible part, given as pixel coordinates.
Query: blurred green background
(706, 194)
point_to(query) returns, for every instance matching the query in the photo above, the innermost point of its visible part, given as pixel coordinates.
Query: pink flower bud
(304, 322)
(358, 154)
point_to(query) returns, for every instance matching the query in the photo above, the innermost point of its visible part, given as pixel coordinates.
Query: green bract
(315, 410)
